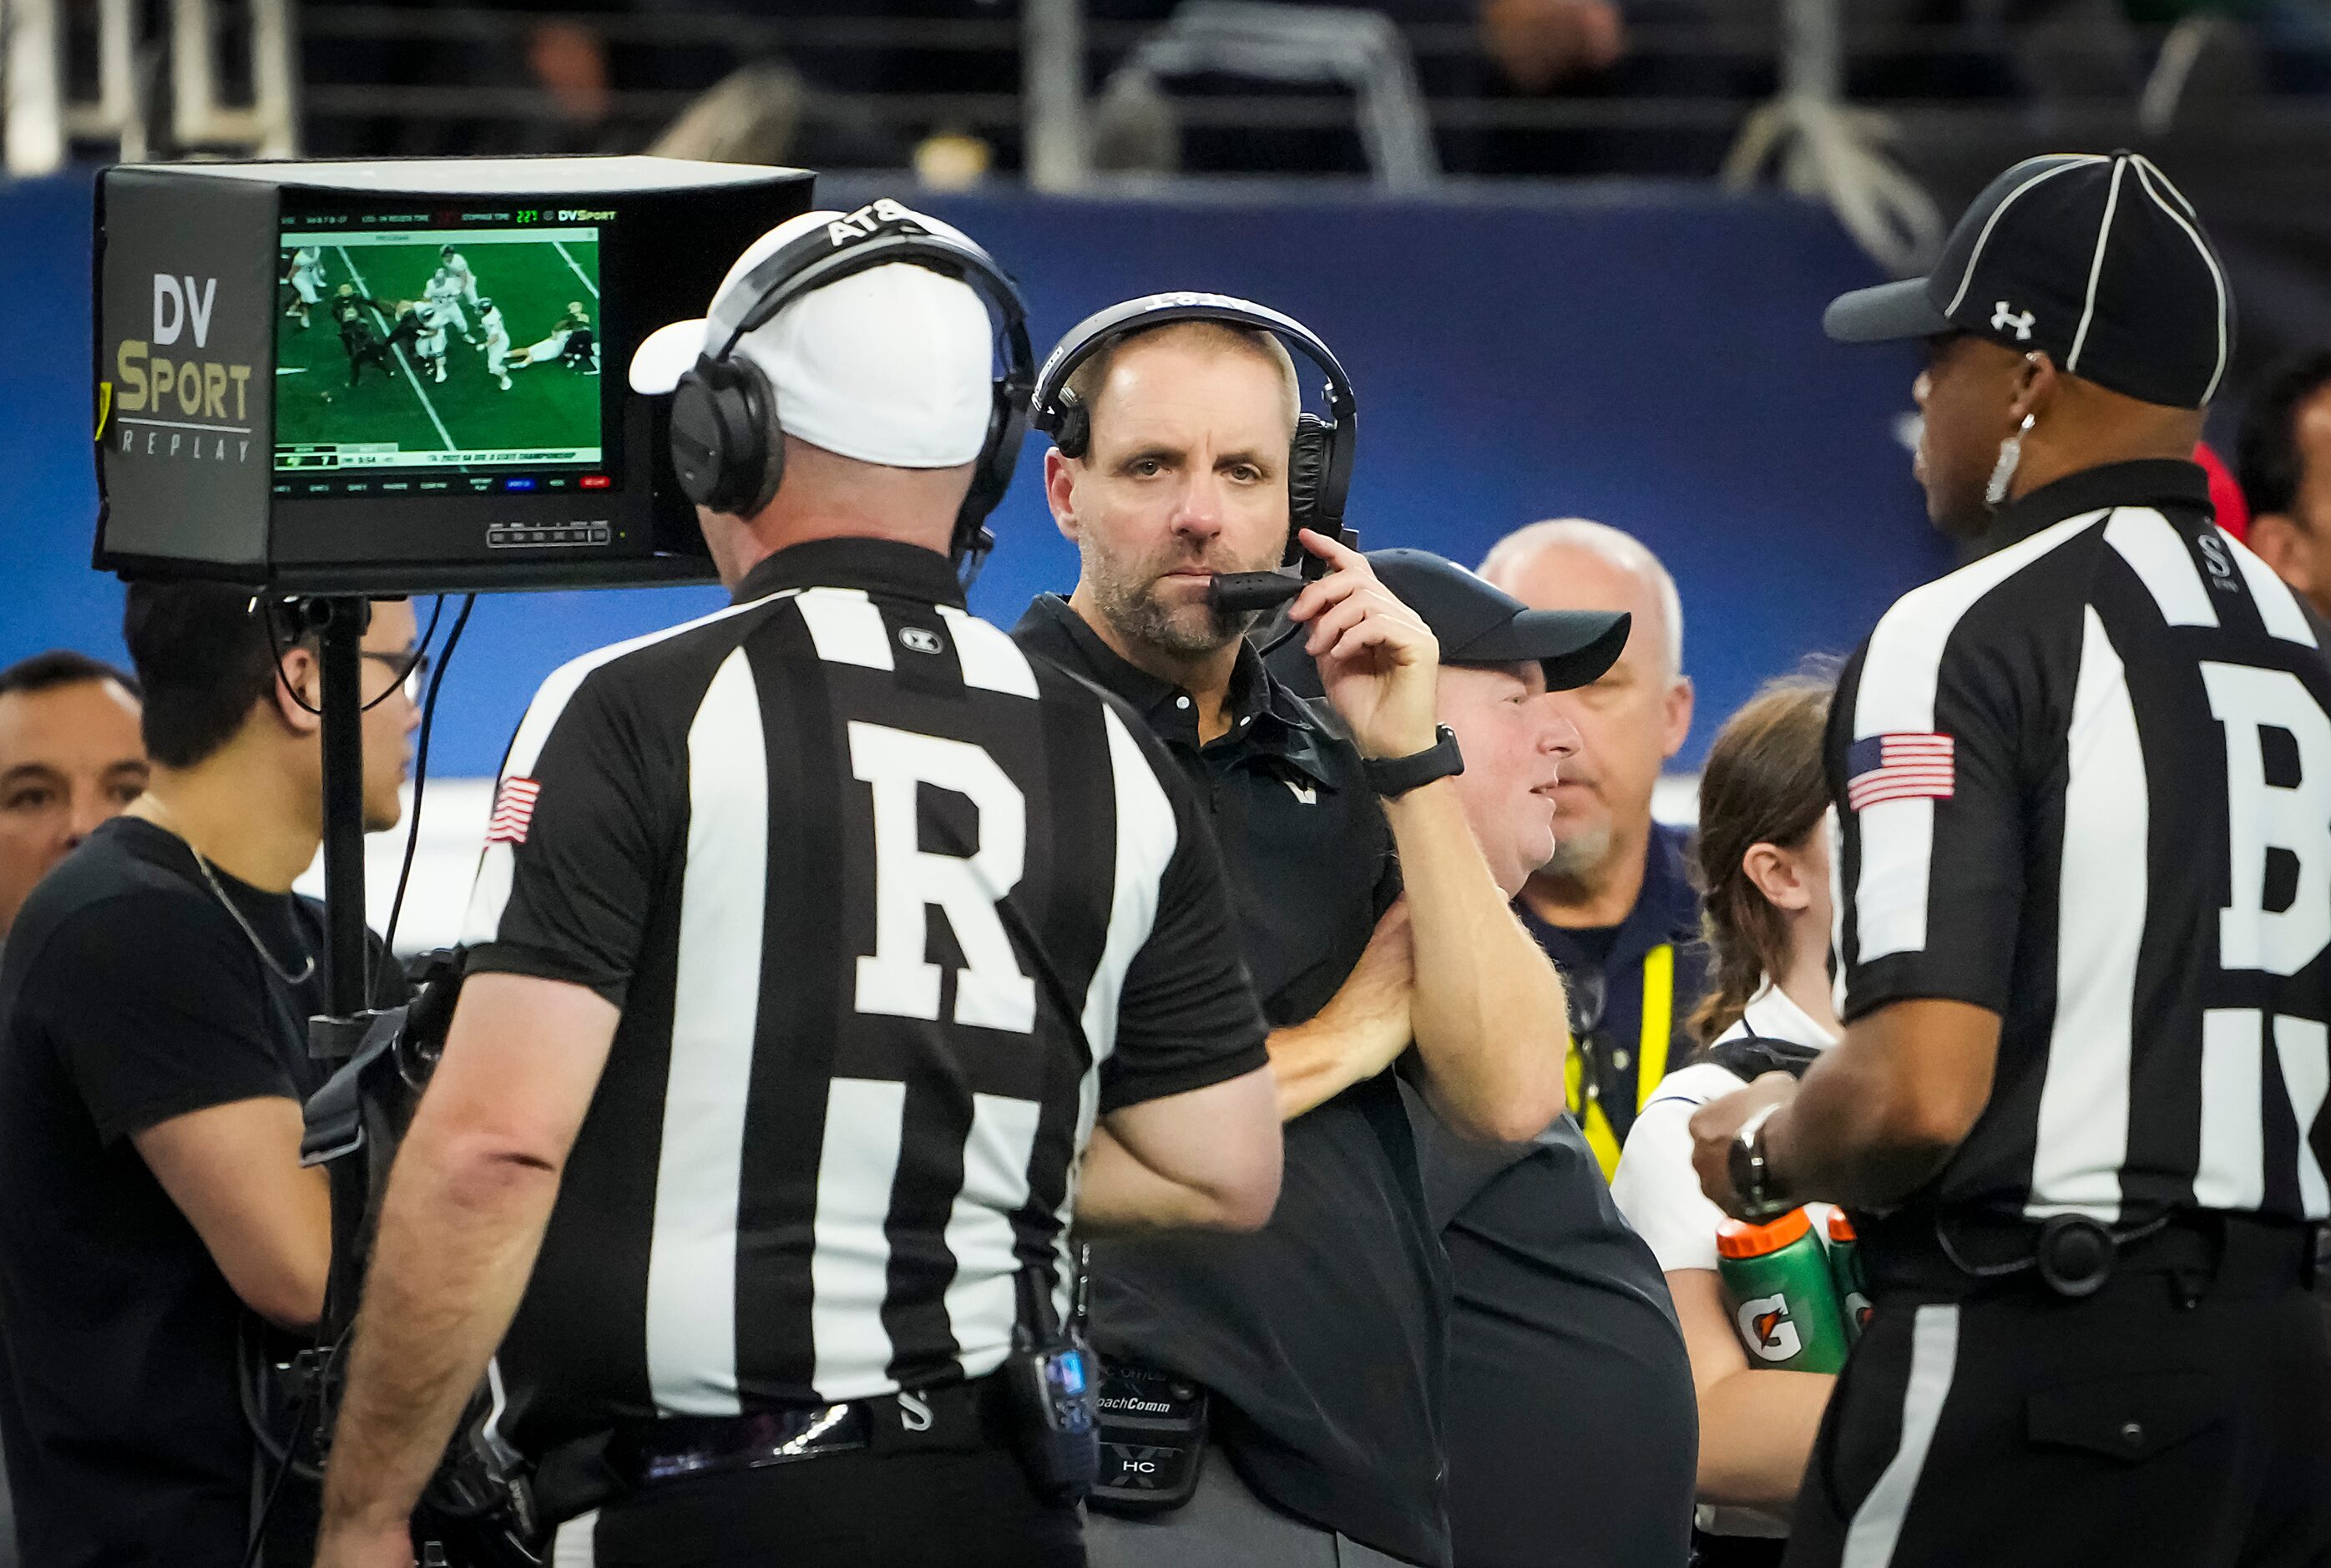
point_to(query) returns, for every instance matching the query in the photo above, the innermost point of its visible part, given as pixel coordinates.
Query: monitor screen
(438, 352)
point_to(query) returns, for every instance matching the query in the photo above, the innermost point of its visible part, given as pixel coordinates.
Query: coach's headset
(726, 437)
(1319, 461)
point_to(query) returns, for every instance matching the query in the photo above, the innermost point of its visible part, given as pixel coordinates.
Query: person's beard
(1127, 598)
(1578, 853)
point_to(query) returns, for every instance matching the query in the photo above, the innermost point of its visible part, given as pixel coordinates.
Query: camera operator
(1321, 1340)
(765, 1170)
(152, 1063)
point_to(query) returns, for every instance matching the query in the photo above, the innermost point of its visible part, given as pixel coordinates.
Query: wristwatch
(1393, 777)
(1752, 1176)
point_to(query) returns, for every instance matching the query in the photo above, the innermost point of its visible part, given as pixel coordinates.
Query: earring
(2011, 457)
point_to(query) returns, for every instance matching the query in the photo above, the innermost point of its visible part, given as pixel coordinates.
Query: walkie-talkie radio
(1051, 1375)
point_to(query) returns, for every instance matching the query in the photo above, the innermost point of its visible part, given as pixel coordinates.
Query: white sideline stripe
(576, 1544)
(2146, 173)
(849, 1250)
(2005, 202)
(846, 627)
(426, 406)
(1876, 1527)
(2278, 606)
(991, 661)
(982, 1300)
(2303, 1045)
(2230, 1171)
(691, 1285)
(2156, 553)
(2097, 266)
(578, 272)
(1897, 697)
(2082, 1137)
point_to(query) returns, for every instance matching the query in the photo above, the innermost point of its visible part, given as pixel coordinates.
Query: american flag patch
(513, 811)
(1897, 767)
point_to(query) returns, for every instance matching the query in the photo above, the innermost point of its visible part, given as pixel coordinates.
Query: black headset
(727, 439)
(1319, 462)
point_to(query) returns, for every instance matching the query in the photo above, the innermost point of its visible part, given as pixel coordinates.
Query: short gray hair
(1622, 549)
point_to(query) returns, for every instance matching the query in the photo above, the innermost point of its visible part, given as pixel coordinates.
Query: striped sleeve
(569, 866)
(1925, 766)
(1185, 1016)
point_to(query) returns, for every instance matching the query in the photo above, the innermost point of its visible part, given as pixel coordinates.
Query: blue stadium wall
(1647, 354)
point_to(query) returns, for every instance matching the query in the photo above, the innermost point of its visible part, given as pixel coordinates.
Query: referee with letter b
(2084, 787)
(828, 956)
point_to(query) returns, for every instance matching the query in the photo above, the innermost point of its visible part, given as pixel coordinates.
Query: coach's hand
(1378, 661)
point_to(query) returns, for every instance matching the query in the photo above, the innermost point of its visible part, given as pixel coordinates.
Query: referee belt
(2205, 1251)
(634, 1456)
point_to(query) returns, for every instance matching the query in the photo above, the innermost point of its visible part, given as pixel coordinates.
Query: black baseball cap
(1476, 623)
(2095, 258)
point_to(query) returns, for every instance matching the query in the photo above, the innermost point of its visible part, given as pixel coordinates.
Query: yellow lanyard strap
(1650, 1061)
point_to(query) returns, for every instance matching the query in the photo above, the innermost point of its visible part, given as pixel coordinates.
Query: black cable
(282, 646)
(299, 1426)
(421, 759)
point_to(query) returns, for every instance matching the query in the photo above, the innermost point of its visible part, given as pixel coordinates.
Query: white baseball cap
(890, 366)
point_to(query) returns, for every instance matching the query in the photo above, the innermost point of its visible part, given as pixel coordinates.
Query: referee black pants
(2166, 1420)
(928, 1510)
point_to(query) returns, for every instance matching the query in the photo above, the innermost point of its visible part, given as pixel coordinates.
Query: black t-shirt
(1322, 1335)
(1573, 1426)
(129, 996)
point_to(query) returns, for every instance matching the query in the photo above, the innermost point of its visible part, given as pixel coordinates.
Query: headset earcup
(720, 437)
(759, 400)
(1074, 430)
(697, 442)
(1306, 468)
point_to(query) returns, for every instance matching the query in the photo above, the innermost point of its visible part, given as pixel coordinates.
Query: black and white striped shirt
(2085, 783)
(893, 912)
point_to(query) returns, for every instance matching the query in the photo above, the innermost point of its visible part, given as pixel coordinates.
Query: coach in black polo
(827, 955)
(2084, 785)
(1322, 1339)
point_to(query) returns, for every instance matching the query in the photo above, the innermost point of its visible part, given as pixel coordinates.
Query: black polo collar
(1264, 714)
(874, 565)
(2146, 482)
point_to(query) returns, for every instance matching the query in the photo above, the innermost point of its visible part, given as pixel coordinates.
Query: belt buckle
(768, 1437)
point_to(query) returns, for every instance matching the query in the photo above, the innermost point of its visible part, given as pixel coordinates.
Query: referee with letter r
(2084, 787)
(828, 956)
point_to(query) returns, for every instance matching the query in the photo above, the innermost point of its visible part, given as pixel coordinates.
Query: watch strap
(1393, 777)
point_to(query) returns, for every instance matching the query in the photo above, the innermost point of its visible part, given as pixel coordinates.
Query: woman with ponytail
(1763, 867)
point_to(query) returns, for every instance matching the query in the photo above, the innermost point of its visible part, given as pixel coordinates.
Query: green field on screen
(548, 406)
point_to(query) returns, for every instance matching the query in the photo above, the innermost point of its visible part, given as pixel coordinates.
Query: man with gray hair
(1613, 908)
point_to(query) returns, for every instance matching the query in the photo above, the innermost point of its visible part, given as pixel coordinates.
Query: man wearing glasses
(160, 1237)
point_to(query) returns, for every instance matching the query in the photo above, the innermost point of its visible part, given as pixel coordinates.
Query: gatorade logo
(1765, 1328)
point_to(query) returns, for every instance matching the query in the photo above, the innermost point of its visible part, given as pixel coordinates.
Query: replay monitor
(404, 375)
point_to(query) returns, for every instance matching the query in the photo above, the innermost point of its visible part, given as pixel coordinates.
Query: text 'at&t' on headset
(726, 437)
(1319, 462)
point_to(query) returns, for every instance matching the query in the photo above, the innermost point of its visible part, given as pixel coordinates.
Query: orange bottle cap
(1841, 1228)
(1738, 1239)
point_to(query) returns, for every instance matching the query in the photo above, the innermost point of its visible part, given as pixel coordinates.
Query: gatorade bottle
(1783, 1301)
(1845, 1273)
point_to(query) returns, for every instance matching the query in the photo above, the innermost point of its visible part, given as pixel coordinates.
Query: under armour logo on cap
(2093, 258)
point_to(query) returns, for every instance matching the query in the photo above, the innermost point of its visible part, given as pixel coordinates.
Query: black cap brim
(1574, 646)
(1885, 314)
